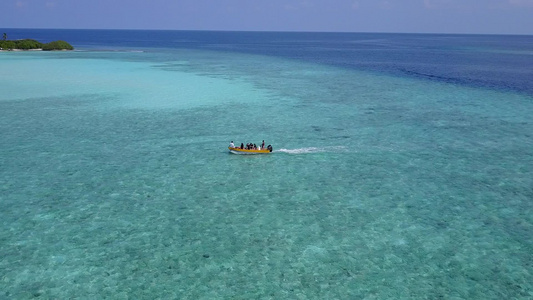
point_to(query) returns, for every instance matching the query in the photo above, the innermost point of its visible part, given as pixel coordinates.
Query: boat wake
(313, 150)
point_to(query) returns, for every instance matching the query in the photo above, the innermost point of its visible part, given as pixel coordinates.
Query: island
(29, 44)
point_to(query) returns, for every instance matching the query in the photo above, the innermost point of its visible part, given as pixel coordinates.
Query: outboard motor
(269, 148)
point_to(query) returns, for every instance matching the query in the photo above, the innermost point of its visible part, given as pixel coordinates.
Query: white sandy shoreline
(20, 50)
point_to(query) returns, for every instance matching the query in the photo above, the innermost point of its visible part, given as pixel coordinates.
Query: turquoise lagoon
(115, 180)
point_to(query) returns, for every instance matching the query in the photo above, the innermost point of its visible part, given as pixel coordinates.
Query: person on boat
(232, 145)
(263, 145)
(242, 146)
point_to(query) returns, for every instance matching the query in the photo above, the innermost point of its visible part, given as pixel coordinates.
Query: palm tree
(5, 36)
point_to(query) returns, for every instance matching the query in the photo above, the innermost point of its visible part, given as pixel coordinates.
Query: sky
(408, 16)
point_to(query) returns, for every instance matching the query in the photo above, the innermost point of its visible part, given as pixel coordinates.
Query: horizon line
(267, 31)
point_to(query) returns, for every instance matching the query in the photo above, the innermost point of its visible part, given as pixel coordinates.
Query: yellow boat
(245, 151)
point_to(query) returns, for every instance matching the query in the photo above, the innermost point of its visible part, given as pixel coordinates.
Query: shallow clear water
(115, 180)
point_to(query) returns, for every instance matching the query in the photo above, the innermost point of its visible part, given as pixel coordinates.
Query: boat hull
(248, 152)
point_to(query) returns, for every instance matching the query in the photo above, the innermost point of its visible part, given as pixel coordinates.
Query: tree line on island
(29, 44)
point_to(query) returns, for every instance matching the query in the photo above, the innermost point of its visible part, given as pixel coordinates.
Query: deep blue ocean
(402, 166)
(491, 61)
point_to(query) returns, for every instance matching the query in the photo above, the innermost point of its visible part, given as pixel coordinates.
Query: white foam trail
(312, 150)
